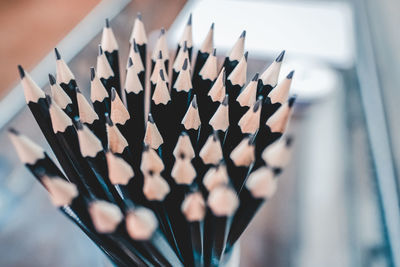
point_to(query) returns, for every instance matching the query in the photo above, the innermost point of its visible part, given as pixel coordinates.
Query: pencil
(210, 155)
(135, 64)
(158, 67)
(110, 48)
(67, 136)
(92, 150)
(141, 225)
(139, 37)
(156, 189)
(183, 174)
(220, 120)
(37, 103)
(108, 220)
(99, 96)
(260, 186)
(193, 208)
(211, 102)
(234, 85)
(276, 97)
(104, 70)
(181, 94)
(203, 85)
(273, 129)
(61, 97)
(221, 205)
(276, 156)
(240, 161)
(191, 122)
(179, 61)
(235, 55)
(89, 117)
(66, 79)
(186, 38)
(269, 78)
(161, 46)
(134, 92)
(204, 52)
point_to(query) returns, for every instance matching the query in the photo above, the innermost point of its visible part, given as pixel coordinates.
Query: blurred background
(338, 202)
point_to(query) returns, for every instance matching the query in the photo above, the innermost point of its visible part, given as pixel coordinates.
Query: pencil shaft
(143, 54)
(244, 214)
(136, 112)
(196, 236)
(114, 81)
(165, 223)
(263, 90)
(99, 166)
(99, 129)
(41, 114)
(229, 65)
(179, 224)
(70, 89)
(200, 60)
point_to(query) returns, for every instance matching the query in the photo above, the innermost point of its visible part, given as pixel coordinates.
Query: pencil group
(179, 185)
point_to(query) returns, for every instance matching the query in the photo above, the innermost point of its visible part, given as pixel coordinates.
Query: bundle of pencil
(177, 186)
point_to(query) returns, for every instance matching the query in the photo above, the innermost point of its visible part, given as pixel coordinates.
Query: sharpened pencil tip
(226, 100)
(78, 124)
(52, 80)
(290, 75)
(162, 31)
(100, 50)
(214, 52)
(280, 57)
(108, 119)
(194, 102)
(243, 35)
(212, 26)
(107, 23)
(13, 131)
(246, 55)
(162, 75)
(139, 16)
(92, 73)
(255, 78)
(291, 100)
(113, 93)
(130, 62)
(58, 56)
(257, 105)
(21, 71)
(185, 64)
(150, 118)
(190, 19)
